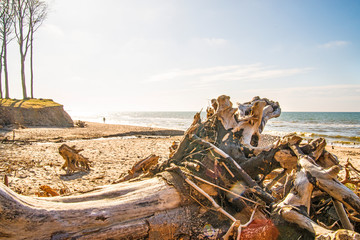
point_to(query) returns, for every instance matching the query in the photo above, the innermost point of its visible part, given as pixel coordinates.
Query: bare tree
(22, 32)
(1, 90)
(29, 15)
(2, 12)
(37, 14)
(6, 29)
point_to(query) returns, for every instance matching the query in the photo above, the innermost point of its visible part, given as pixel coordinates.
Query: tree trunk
(23, 83)
(1, 68)
(113, 211)
(6, 75)
(31, 65)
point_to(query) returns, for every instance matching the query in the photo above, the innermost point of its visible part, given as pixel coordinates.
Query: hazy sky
(115, 55)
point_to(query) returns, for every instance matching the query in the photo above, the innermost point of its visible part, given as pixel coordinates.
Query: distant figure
(104, 119)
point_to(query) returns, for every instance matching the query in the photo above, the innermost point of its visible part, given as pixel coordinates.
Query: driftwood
(248, 120)
(74, 161)
(118, 211)
(217, 183)
(80, 124)
(296, 206)
(140, 167)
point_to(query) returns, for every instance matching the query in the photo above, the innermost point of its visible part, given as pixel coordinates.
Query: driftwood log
(117, 211)
(217, 184)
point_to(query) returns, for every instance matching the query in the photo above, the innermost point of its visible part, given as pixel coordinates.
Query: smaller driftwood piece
(74, 161)
(140, 167)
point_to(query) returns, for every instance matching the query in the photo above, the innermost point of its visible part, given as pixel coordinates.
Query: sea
(338, 128)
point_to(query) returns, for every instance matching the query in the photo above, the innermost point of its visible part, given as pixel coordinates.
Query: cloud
(322, 98)
(254, 73)
(334, 90)
(334, 44)
(210, 42)
(250, 72)
(215, 41)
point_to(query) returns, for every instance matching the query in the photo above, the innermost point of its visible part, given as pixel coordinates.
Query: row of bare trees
(19, 19)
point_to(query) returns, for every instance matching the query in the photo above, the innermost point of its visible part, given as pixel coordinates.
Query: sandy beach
(33, 160)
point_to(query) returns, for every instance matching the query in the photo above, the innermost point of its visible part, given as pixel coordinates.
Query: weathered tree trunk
(116, 211)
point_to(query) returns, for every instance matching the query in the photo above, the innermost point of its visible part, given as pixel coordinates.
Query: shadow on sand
(73, 176)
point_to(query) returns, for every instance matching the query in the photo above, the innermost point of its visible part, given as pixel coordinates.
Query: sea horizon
(338, 128)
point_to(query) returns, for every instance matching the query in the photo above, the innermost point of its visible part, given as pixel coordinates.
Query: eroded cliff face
(54, 116)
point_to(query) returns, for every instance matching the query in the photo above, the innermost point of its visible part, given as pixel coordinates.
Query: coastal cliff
(34, 112)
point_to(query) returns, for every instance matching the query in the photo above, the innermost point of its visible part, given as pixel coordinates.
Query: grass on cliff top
(28, 103)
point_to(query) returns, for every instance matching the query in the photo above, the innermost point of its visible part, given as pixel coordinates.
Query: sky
(167, 55)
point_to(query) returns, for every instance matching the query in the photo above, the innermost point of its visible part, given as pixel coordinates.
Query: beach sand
(33, 159)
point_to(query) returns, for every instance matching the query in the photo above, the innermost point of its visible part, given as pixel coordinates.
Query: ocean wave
(348, 138)
(321, 125)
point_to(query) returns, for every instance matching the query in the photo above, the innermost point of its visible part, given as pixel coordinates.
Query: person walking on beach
(104, 119)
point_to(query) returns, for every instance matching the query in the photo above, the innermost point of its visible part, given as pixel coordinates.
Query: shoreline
(93, 130)
(33, 159)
